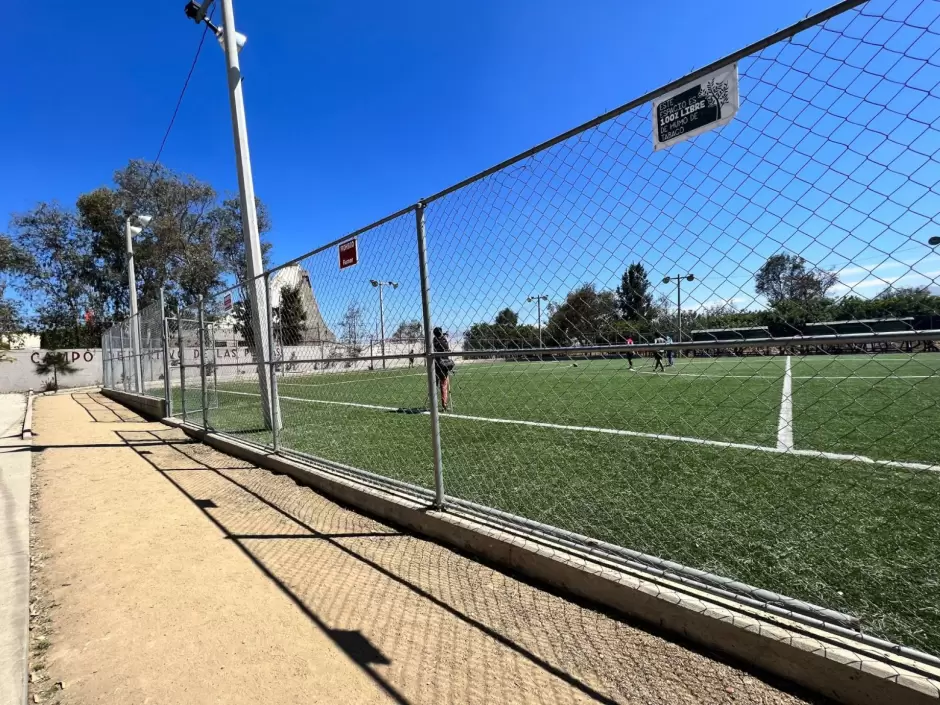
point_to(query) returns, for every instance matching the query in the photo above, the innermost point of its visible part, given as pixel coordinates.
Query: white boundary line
(785, 422)
(634, 434)
(703, 375)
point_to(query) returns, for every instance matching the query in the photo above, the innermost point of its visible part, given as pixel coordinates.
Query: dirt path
(184, 576)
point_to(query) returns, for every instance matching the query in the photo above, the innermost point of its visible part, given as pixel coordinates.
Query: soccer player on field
(658, 353)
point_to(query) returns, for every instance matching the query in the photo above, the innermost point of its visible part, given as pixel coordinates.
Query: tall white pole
(539, 299)
(246, 188)
(382, 321)
(135, 323)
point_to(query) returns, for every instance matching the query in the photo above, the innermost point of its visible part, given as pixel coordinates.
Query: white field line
(348, 381)
(785, 422)
(703, 375)
(635, 434)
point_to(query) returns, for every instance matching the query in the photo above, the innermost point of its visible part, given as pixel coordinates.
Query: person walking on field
(411, 358)
(658, 353)
(443, 366)
(630, 353)
(669, 354)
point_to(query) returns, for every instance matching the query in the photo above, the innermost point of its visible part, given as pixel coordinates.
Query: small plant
(58, 364)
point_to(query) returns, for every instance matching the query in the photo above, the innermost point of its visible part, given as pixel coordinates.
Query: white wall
(19, 373)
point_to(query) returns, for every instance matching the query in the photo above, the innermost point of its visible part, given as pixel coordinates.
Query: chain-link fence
(695, 335)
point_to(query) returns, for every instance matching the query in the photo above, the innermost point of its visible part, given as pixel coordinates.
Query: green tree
(507, 318)
(59, 283)
(241, 315)
(14, 263)
(586, 317)
(58, 364)
(291, 317)
(633, 295)
(789, 278)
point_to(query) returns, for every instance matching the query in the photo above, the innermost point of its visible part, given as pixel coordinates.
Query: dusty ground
(171, 573)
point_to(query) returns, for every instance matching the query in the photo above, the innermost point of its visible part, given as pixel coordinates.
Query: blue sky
(358, 109)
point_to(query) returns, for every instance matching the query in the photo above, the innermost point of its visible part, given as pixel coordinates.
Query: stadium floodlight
(678, 280)
(538, 298)
(197, 13)
(381, 285)
(130, 231)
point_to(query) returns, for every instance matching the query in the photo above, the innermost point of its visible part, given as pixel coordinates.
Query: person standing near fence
(670, 360)
(443, 366)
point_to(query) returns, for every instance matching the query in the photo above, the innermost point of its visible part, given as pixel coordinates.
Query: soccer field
(827, 494)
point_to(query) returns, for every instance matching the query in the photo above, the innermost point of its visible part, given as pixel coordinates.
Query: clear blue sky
(354, 109)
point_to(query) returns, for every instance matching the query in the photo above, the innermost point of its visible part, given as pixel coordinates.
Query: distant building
(20, 341)
(296, 276)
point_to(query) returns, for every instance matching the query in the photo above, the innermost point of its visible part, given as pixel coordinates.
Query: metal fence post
(123, 359)
(165, 352)
(179, 333)
(429, 359)
(275, 401)
(202, 366)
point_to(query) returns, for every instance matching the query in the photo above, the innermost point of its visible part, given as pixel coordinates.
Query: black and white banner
(709, 102)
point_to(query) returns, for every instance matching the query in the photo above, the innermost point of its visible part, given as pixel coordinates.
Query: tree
(291, 317)
(241, 313)
(14, 262)
(59, 282)
(586, 316)
(904, 292)
(58, 364)
(192, 247)
(787, 278)
(409, 330)
(507, 318)
(351, 325)
(633, 295)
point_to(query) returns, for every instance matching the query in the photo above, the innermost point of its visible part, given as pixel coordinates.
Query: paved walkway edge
(15, 466)
(838, 668)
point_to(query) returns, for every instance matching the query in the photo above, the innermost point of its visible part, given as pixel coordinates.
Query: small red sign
(227, 302)
(348, 254)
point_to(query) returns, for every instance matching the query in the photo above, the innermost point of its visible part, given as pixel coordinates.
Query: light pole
(678, 280)
(129, 232)
(538, 298)
(380, 286)
(232, 42)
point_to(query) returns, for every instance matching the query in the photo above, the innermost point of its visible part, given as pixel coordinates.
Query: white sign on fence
(708, 102)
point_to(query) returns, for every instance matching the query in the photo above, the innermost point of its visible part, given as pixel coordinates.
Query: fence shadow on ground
(428, 624)
(104, 410)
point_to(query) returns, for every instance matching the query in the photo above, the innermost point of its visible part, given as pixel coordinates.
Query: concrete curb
(148, 407)
(15, 569)
(27, 433)
(841, 669)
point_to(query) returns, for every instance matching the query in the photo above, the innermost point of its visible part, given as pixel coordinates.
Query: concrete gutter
(839, 668)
